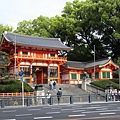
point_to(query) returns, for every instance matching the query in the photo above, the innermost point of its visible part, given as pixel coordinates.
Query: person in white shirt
(43, 97)
(48, 96)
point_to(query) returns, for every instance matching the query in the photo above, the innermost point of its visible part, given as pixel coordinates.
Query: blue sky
(14, 11)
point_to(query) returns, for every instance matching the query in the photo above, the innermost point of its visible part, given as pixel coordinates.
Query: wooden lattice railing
(16, 94)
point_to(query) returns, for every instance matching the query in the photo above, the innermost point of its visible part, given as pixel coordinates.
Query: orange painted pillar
(31, 77)
(59, 74)
(18, 66)
(48, 73)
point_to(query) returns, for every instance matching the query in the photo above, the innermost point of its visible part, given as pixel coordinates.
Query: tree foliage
(97, 23)
(82, 25)
(4, 28)
(4, 61)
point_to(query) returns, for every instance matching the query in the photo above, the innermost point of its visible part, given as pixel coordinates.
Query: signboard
(21, 73)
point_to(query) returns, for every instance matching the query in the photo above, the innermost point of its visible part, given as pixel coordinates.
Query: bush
(8, 86)
(104, 83)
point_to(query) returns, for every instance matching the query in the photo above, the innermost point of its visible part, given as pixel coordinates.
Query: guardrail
(65, 99)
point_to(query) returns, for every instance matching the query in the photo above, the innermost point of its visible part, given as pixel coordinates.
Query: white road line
(67, 109)
(78, 111)
(76, 115)
(82, 108)
(107, 113)
(36, 118)
(23, 115)
(33, 109)
(100, 111)
(8, 119)
(52, 112)
(55, 108)
(10, 111)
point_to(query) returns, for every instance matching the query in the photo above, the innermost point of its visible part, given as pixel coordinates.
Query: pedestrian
(43, 97)
(54, 85)
(119, 95)
(59, 94)
(51, 84)
(48, 97)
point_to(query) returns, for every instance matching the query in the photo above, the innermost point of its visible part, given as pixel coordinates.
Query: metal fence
(65, 99)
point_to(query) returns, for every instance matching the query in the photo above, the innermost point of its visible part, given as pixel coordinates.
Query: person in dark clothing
(59, 94)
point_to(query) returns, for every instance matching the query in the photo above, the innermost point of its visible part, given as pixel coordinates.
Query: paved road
(91, 111)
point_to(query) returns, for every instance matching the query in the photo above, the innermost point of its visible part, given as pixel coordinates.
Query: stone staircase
(67, 89)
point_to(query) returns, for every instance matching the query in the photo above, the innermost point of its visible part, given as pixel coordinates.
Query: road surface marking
(76, 115)
(10, 111)
(107, 113)
(82, 108)
(8, 119)
(33, 109)
(101, 117)
(55, 108)
(52, 112)
(100, 111)
(35, 118)
(78, 110)
(24, 115)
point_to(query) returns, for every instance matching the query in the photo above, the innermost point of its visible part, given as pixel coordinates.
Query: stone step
(67, 89)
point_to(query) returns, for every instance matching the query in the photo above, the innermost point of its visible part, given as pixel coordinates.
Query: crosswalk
(78, 111)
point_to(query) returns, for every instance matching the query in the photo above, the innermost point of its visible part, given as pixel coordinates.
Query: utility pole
(94, 61)
(15, 57)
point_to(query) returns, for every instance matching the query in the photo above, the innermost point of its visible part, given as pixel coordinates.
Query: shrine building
(39, 59)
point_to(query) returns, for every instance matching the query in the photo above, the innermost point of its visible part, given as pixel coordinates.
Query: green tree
(4, 28)
(96, 23)
(4, 61)
(24, 27)
(82, 25)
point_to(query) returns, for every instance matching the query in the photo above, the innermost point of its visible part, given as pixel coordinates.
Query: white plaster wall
(24, 63)
(65, 77)
(53, 65)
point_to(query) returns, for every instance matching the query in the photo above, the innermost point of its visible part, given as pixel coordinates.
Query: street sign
(21, 73)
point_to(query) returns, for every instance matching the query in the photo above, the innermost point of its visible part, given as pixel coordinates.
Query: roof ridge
(76, 61)
(96, 60)
(35, 37)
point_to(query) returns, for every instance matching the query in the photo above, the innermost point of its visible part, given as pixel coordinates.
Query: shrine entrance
(40, 75)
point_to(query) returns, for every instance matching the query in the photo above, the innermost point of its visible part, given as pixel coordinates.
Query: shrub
(104, 83)
(14, 86)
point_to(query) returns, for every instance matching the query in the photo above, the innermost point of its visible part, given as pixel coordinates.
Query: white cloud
(14, 11)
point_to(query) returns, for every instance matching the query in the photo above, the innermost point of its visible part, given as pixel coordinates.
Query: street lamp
(15, 57)
(94, 61)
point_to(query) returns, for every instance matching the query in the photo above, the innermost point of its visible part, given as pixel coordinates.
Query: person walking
(43, 97)
(59, 94)
(54, 85)
(51, 84)
(48, 97)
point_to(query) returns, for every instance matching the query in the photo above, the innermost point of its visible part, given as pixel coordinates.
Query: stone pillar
(85, 82)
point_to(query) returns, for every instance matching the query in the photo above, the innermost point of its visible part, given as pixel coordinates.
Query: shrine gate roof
(54, 43)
